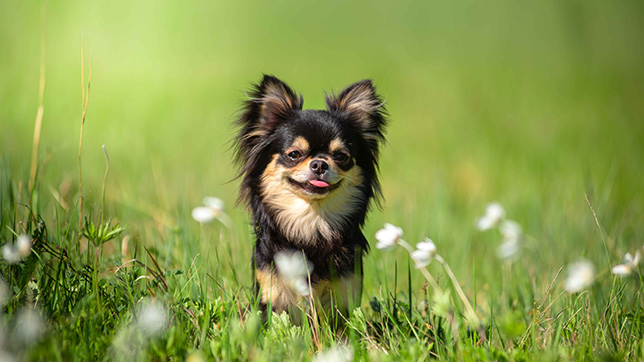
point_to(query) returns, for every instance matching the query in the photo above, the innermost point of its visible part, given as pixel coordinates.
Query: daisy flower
(580, 276)
(388, 237)
(294, 267)
(152, 319)
(511, 246)
(213, 209)
(13, 253)
(629, 264)
(424, 253)
(494, 213)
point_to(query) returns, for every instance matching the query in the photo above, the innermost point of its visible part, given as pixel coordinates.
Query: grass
(537, 106)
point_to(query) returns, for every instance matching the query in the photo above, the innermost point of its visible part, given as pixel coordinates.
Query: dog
(309, 178)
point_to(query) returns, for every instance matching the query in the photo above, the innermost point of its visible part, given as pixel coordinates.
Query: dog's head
(325, 159)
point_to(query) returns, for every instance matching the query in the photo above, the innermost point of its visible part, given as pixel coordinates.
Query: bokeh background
(532, 104)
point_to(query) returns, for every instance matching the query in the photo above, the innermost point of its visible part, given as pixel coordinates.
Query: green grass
(535, 105)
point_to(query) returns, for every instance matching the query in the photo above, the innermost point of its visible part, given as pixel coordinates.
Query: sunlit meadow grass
(537, 106)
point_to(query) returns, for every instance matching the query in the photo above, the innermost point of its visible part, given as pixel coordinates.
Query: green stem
(457, 286)
(107, 169)
(420, 267)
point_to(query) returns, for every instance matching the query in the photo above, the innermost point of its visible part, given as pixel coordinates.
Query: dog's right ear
(270, 103)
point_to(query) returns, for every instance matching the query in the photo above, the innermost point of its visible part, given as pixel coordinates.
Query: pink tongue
(318, 183)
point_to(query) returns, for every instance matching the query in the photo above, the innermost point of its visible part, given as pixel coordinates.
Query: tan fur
(276, 291)
(256, 133)
(301, 144)
(277, 98)
(336, 145)
(360, 101)
(301, 216)
(302, 171)
(330, 296)
(277, 94)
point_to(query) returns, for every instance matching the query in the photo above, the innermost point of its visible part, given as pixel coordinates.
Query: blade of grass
(84, 115)
(41, 110)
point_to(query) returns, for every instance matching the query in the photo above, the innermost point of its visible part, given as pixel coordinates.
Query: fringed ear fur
(277, 100)
(270, 103)
(362, 106)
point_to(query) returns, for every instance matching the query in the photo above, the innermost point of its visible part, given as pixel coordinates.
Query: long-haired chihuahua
(309, 177)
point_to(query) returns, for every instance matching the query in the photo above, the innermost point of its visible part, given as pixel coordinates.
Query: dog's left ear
(362, 106)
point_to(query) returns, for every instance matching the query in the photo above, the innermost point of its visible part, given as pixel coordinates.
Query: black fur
(271, 119)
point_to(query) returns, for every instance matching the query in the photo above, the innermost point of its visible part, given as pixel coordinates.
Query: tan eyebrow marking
(301, 143)
(336, 145)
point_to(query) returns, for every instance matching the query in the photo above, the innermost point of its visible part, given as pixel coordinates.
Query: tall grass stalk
(107, 169)
(41, 109)
(601, 232)
(85, 101)
(456, 284)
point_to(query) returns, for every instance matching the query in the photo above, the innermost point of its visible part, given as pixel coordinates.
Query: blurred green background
(532, 104)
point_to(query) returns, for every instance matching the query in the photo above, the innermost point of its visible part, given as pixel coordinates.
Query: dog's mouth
(314, 187)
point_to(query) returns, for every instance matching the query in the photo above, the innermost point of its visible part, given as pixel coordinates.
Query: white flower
(153, 318)
(511, 246)
(29, 326)
(12, 253)
(509, 250)
(424, 253)
(340, 353)
(511, 230)
(388, 237)
(203, 214)
(493, 214)
(214, 209)
(292, 264)
(295, 268)
(301, 286)
(580, 276)
(629, 264)
(214, 203)
(23, 244)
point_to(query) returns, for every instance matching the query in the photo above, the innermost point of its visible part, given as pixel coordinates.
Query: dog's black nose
(319, 166)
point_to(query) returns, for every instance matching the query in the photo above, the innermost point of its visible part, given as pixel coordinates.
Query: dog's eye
(294, 155)
(341, 157)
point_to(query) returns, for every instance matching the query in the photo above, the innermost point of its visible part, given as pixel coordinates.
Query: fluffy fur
(309, 177)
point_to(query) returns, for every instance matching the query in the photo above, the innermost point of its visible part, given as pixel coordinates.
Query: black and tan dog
(309, 177)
